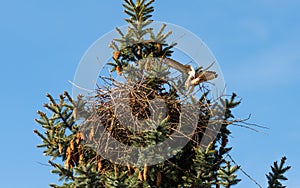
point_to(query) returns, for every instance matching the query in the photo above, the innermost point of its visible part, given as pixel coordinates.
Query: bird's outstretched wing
(178, 66)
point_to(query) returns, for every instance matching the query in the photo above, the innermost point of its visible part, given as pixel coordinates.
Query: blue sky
(256, 43)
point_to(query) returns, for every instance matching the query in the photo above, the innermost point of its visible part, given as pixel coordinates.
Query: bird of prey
(194, 77)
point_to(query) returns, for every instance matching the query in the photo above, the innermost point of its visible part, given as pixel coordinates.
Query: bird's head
(190, 70)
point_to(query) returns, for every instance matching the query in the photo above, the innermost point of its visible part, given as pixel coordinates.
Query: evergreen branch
(277, 174)
(228, 176)
(41, 136)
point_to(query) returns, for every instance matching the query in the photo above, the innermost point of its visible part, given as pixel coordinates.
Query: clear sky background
(256, 43)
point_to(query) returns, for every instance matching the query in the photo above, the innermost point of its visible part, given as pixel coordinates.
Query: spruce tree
(143, 58)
